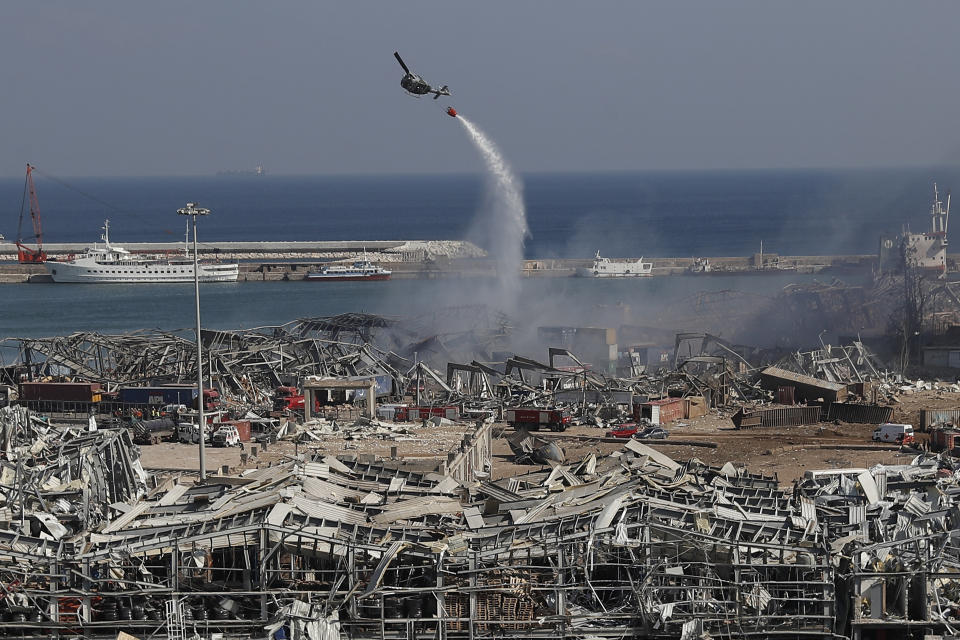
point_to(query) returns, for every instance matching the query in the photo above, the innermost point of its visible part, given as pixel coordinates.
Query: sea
(651, 214)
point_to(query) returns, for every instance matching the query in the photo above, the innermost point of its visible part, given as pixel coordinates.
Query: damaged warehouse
(627, 542)
(632, 544)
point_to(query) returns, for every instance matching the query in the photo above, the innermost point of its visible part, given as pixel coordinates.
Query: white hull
(360, 270)
(84, 270)
(607, 268)
(110, 264)
(590, 273)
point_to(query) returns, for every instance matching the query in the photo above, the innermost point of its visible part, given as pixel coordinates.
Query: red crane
(25, 254)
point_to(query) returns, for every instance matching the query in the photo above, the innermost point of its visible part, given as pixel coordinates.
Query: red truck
(287, 398)
(534, 419)
(290, 399)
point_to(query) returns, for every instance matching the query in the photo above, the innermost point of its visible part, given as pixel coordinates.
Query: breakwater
(435, 259)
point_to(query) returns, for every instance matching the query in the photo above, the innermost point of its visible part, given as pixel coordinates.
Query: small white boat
(359, 270)
(607, 268)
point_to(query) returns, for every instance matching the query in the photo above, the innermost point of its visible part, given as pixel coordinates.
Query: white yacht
(607, 268)
(108, 263)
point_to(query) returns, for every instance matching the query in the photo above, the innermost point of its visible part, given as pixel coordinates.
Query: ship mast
(939, 216)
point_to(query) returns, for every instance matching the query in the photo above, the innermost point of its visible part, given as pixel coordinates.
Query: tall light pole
(193, 210)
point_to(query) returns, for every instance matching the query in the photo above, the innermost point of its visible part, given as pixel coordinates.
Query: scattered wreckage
(633, 544)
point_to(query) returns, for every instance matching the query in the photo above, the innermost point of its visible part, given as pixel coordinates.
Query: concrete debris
(632, 544)
(321, 546)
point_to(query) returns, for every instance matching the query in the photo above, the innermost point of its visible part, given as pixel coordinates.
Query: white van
(190, 433)
(893, 432)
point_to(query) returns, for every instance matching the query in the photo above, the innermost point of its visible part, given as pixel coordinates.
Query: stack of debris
(632, 544)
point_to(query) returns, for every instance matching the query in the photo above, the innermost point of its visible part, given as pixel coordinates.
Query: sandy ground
(783, 452)
(425, 446)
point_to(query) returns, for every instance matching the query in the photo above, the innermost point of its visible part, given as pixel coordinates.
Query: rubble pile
(317, 545)
(59, 481)
(633, 544)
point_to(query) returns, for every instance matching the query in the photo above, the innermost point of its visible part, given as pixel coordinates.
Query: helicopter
(417, 86)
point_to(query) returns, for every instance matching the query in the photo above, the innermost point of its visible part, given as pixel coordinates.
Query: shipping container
(697, 406)
(416, 414)
(931, 417)
(661, 411)
(534, 418)
(157, 395)
(945, 440)
(60, 391)
(243, 427)
(787, 395)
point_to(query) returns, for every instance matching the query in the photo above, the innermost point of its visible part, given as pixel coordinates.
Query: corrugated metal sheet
(171, 497)
(856, 513)
(316, 470)
(325, 511)
(417, 507)
(930, 417)
(783, 374)
(328, 491)
(859, 413)
(776, 417)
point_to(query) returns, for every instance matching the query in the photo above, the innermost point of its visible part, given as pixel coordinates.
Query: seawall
(430, 259)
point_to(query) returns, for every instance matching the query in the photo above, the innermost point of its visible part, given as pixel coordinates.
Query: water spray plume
(505, 224)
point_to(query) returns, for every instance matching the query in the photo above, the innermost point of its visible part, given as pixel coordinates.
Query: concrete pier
(265, 261)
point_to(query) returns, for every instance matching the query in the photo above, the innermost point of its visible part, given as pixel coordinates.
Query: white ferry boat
(108, 263)
(359, 270)
(607, 268)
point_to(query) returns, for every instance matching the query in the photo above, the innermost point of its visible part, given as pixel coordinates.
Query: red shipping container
(60, 391)
(786, 395)
(661, 411)
(243, 428)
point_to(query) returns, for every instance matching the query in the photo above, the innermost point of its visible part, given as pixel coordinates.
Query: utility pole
(193, 210)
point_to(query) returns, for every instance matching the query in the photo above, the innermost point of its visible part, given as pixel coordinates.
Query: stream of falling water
(505, 222)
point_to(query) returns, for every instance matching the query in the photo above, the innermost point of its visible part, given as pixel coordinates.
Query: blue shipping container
(157, 395)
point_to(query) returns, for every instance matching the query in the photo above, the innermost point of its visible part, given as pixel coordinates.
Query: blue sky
(190, 88)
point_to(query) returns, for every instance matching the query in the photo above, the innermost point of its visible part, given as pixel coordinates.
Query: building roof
(799, 378)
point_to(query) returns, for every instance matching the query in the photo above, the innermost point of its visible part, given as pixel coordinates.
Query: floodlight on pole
(193, 210)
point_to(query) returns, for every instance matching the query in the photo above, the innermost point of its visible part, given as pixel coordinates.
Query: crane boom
(25, 254)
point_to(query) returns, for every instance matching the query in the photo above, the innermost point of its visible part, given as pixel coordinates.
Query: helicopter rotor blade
(400, 60)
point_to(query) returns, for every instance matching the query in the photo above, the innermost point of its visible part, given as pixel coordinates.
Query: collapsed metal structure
(630, 545)
(634, 544)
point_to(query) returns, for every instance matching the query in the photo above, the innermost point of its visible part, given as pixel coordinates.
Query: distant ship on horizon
(256, 171)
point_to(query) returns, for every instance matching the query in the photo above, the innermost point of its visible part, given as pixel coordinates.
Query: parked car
(653, 433)
(625, 430)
